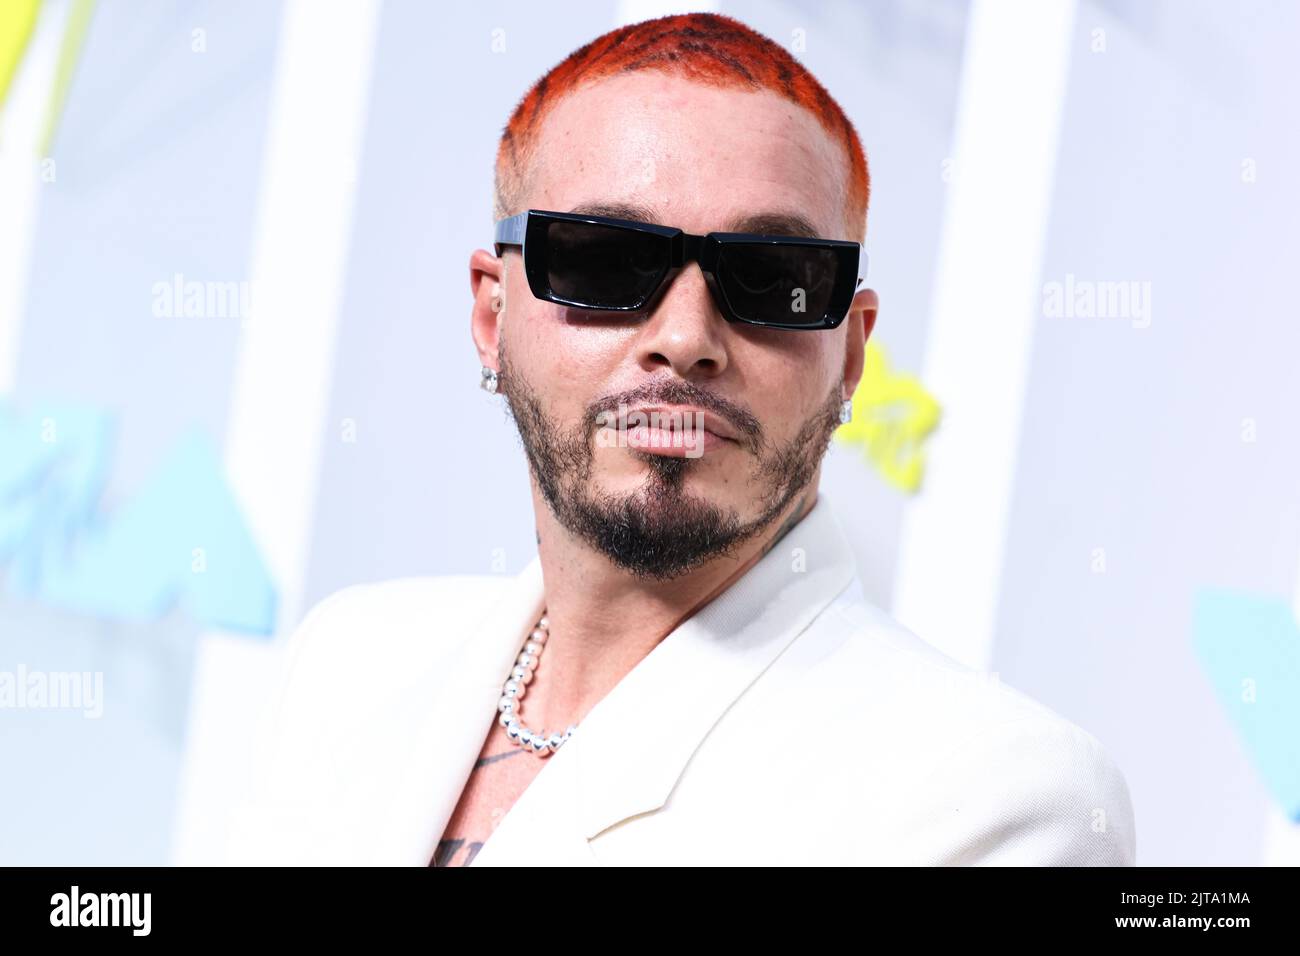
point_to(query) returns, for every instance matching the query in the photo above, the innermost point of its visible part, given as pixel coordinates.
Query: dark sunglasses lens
(780, 284)
(602, 266)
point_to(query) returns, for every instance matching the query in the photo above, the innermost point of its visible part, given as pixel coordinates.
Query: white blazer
(789, 721)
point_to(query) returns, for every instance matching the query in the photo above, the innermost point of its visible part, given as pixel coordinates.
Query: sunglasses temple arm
(510, 231)
(862, 268)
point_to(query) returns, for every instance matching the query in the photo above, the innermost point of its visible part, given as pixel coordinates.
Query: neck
(603, 620)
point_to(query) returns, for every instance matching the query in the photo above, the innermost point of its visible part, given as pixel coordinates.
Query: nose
(685, 331)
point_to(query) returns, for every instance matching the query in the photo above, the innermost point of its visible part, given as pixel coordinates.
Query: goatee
(660, 531)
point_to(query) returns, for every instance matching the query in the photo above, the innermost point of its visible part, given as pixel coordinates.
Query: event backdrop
(236, 372)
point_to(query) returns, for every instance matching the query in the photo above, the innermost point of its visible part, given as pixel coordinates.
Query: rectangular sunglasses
(621, 265)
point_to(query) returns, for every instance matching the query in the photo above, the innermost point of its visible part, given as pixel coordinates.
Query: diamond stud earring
(846, 411)
(489, 380)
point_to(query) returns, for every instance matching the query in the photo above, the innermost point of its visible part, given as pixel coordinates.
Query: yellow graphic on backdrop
(17, 23)
(74, 37)
(892, 415)
(17, 20)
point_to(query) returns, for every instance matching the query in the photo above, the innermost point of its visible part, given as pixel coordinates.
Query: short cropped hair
(703, 47)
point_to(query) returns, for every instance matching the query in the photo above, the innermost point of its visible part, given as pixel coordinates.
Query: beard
(660, 531)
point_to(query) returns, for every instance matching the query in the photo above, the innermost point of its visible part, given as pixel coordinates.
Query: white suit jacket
(789, 721)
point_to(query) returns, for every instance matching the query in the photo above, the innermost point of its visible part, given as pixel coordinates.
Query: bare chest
(501, 774)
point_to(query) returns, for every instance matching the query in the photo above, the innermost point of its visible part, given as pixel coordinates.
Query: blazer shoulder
(1008, 779)
(353, 683)
(1037, 791)
(378, 641)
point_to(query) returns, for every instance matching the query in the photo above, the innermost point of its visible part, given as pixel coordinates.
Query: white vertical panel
(987, 296)
(1281, 839)
(22, 121)
(280, 392)
(281, 387)
(1281, 835)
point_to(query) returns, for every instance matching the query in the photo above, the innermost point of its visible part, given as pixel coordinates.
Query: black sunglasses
(620, 265)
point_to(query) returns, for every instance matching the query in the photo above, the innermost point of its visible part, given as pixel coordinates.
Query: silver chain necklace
(513, 691)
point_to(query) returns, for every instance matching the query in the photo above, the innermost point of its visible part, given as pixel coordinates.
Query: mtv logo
(180, 537)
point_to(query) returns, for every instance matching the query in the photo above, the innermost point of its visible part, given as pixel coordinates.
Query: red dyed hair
(704, 47)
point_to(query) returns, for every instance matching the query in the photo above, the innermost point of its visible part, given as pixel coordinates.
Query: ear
(860, 321)
(486, 282)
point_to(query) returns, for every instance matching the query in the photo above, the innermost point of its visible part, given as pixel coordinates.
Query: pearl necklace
(513, 691)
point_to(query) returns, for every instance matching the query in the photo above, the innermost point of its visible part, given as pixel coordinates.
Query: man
(688, 672)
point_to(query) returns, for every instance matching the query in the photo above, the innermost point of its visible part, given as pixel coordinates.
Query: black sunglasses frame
(528, 230)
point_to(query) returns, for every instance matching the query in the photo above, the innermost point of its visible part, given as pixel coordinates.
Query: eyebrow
(767, 223)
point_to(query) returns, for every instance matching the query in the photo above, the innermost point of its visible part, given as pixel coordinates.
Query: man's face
(701, 159)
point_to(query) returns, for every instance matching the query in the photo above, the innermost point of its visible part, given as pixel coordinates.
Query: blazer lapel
(634, 745)
(630, 750)
(450, 739)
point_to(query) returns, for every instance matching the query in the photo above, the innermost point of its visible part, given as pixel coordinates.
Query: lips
(673, 418)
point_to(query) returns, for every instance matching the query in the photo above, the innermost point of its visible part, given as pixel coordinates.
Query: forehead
(695, 156)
